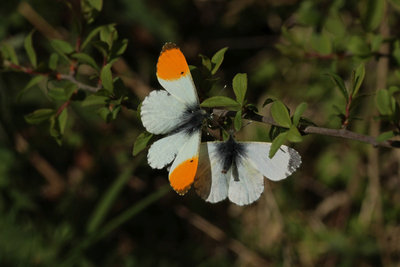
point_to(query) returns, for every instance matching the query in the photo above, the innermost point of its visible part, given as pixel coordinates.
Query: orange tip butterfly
(236, 170)
(174, 112)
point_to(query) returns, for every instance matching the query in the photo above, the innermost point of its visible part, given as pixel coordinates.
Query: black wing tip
(169, 46)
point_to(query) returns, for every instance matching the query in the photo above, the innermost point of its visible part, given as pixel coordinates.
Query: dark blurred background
(89, 202)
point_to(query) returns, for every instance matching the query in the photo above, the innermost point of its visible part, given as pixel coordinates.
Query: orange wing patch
(182, 177)
(171, 64)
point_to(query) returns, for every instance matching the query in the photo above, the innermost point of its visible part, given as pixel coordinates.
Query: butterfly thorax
(230, 152)
(191, 120)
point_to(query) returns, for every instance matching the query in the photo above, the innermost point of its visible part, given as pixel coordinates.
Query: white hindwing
(284, 163)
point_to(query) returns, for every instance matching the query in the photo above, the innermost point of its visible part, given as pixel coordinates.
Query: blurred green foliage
(73, 74)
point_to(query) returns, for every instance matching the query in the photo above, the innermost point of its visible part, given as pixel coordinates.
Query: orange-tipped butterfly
(177, 114)
(236, 170)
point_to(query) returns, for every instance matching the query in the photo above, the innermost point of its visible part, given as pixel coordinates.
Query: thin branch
(78, 83)
(59, 76)
(341, 133)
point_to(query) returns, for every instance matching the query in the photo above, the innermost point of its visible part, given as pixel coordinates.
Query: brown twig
(341, 133)
(80, 85)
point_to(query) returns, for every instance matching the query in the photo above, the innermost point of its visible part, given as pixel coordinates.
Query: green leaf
(120, 47)
(141, 142)
(269, 100)
(237, 123)
(206, 62)
(86, 59)
(39, 115)
(217, 59)
(106, 78)
(96, 4)
(383, 102)
(53, 61)
(62, 120)
(61, 46)
(340, 84)
(57, 94)
(280, 114)
(358, 78)
(30, 50)
(34, 81)
(357, 45)
(240, 87)
(276, 144)
(374, 14)
(93, 100)
(104, 113)
(385, 136)
(90, 36)
(321, 43)
(9, 53)
(108, 34)
(298, 112)
(220, 101)
(293, 135)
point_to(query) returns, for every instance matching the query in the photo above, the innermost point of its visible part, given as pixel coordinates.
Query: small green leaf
(104, 113)
(61, 46)
(340, 84)
(358, 78)
(53, 61)
(34, 81)
(321, 43)
(358, 46)
(383, 102)
(237, 123)
(96, 4)
(39, 115)
(206, 62)
(90, 36)
(86, 59)
(108, 34)
(240, 87)
(220, 101)
(385, 136)
(106, 78)
(374, 14)
(217, 59)
(57, 94)
(8, 52)
(93, 100)
(276, 144)
(269, 100)
(298, 112)
(62, 120)
(120, 47)
(293, 135)
(280, 114)
(141, 142)
(30, 50)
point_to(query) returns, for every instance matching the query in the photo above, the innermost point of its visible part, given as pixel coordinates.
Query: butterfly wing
(174, 75)
(183, 169)
(284, 163)
(163, 151)
(161, 112)
(249, 185)
(211, 183)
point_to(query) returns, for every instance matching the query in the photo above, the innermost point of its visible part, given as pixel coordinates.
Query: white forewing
(211, 184)
(284, 163)
(182, 88)
(163, 151)
(250, 185)
(161, 112)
